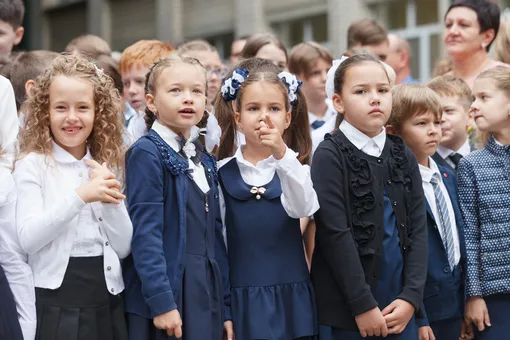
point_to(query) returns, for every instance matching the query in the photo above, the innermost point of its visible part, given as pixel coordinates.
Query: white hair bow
(330, 82)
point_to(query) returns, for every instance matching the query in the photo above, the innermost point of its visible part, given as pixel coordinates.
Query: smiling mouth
(72, 130)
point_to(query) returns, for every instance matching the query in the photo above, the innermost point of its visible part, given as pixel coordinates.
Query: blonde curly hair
(105, 141)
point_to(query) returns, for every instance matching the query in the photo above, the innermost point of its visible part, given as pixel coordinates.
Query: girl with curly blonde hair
(72, 220)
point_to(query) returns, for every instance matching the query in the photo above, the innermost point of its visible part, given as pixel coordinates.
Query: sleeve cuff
(422, 322)
(228, 314)
(412, 297)
(363, 304)
(161, 303)
(288, 160)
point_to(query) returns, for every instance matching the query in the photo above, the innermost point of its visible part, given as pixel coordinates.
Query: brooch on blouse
(258, 192)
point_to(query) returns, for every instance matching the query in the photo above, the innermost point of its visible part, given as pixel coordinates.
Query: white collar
(428, 172)
(464, 150)
(359, 139)
(170, 137)
(263, 164)
(62, 156)
(330, 113)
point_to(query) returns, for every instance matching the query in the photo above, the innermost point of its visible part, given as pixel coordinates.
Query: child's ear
(28, 86)
(288, 119)
(391, 130)
(20, 31)
(338, 103)
(237, 116)
(149, 99)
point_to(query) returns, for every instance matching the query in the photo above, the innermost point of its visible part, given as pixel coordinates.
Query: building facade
(123, 22)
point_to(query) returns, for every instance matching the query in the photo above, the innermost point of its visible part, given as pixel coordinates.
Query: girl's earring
(483, 46)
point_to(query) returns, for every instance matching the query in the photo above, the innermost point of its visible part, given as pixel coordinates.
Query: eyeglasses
(221, 72)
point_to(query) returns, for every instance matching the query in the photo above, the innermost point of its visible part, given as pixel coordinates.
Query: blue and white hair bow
(293, 85)
(330, 82)
(231, 85)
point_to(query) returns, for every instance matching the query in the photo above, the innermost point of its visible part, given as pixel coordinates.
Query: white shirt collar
(464, 150)
(359, 139)
(62, 156)
(428, 172)
(267, 163)
(170, 136)
(330, 113)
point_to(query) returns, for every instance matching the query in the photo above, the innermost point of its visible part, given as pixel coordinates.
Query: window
(304, 29)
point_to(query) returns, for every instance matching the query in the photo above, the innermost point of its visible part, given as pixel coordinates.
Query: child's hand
(426, 333)
(170, 322)
(477, 312)
(99, 189)
(228, 331)
(372, 323)
(466, 331)
(98, 170)
(272, 138)
(397, 315)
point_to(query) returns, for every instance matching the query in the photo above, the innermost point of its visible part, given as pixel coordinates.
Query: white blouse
(14, 260)
(48, 216)
(298, 195)
(9, 125)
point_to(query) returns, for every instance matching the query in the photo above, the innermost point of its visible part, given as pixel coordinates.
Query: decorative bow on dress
(190, 149)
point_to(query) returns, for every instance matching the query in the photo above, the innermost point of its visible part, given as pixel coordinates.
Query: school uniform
(484, 197)
(444, 294)
(9, 127)
(74, 249)
(372, 217)
(450, 158)
(272, 295)
(177, 248)
(17, 307)
(319, 127)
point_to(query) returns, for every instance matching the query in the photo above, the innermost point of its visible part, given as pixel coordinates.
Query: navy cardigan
(157, 190)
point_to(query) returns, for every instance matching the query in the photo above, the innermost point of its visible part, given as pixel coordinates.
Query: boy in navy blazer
(456, 140)
(416, 117)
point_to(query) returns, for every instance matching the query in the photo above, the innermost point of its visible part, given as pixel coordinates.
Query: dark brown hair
(12, 12)
(366, 32)
(259, 40)
(89, 46)
(303, 57)
(152, 78)
(297, 136)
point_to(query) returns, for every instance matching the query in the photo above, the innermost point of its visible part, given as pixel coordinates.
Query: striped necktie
(444, 218)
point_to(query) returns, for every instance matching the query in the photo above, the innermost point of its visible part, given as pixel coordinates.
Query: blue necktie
(444, 218)
(317, 124)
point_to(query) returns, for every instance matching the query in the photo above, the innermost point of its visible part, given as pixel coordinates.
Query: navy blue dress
(201, 301)
(9, 324)
(388, 287)
(272, 295)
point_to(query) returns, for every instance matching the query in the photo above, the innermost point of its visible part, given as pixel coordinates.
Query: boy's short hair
(109, 67)
(12, 12)
(452, 86)
(89, 46)
(304, 55)
(28, 66)
(410, 100)
(189, 47)
(366, 32)
(144, 53)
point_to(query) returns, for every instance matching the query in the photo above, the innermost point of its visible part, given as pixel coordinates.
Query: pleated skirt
(82, 308)
(9, 324)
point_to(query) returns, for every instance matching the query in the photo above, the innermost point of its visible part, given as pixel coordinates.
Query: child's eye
(437, 122)
(275, 108)
(197, 91)
(60, 107)
(420, 123)
(360, 92)
(84, 107)
(485, 97)
(383, 90)
(175, 89)
(253, 108)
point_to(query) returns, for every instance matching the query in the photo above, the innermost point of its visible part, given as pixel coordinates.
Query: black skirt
(9, 324)
(82, 308)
